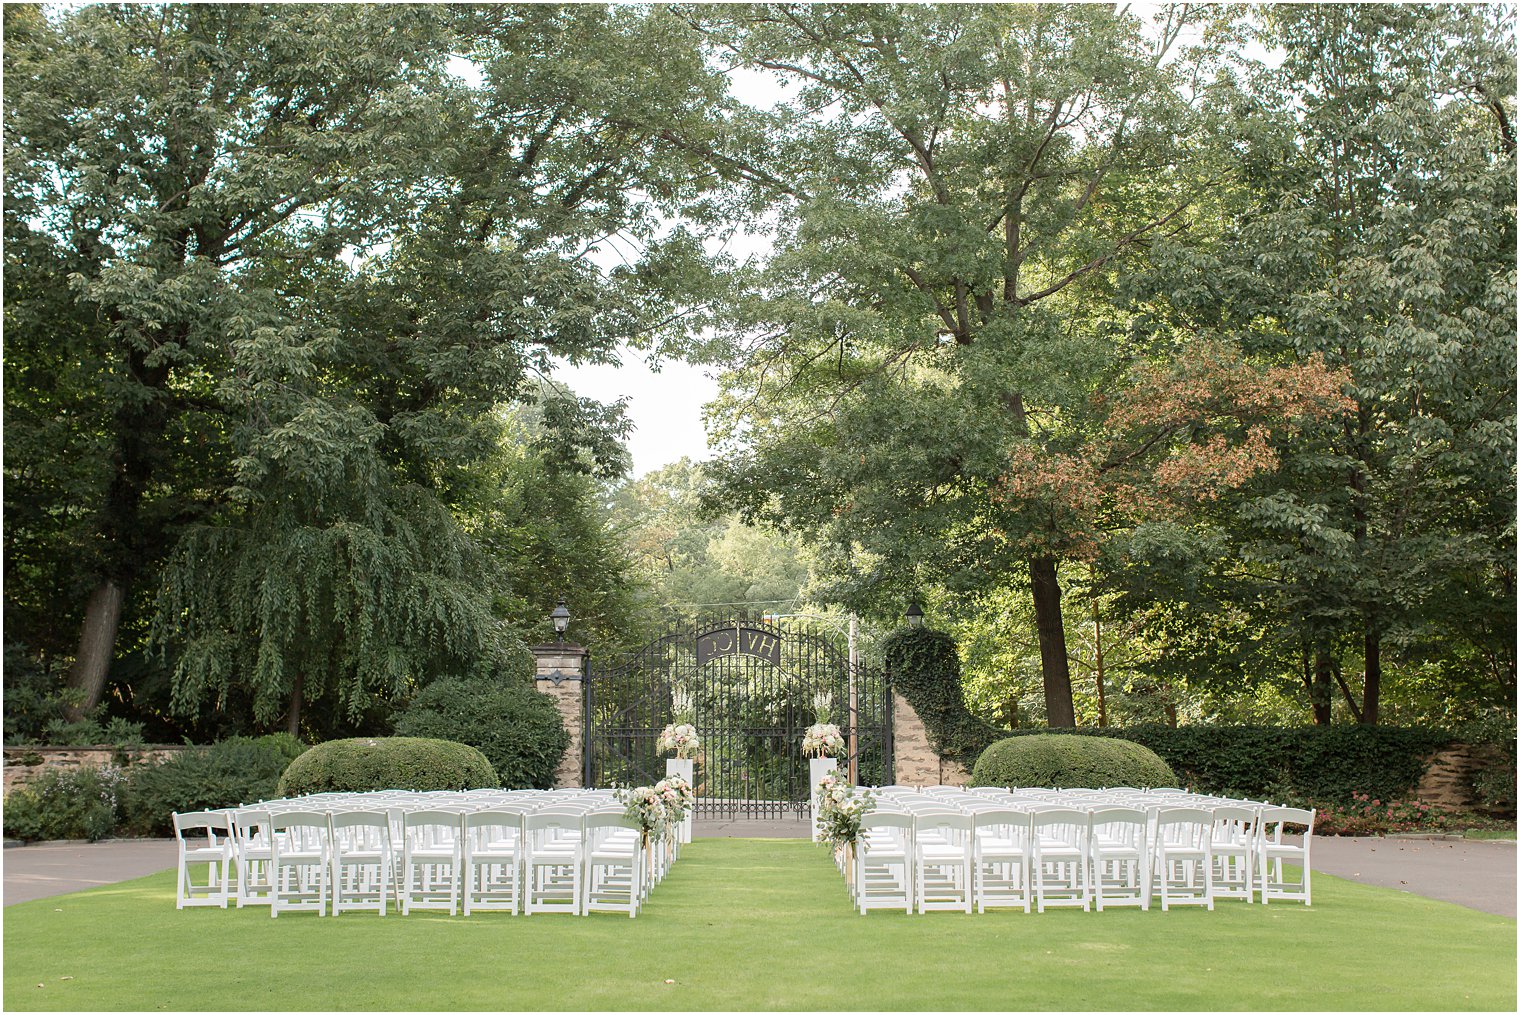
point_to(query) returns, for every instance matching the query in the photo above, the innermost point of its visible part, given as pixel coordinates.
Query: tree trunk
(1053, 664)
(1319, 691)
(1098, 663)
(293, 714)
(97, 641)
(1372, 678)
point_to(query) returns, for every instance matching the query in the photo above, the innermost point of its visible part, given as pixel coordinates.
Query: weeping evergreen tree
(345, 588)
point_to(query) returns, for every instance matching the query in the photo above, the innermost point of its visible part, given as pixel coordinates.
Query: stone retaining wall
(23, 764)
(1448, 779)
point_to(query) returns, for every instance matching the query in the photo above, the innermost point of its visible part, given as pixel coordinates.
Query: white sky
(666, 406)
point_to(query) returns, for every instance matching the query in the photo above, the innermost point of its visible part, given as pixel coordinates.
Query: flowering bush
(681, 738)
(647, 807)
(678, 796)
(1366, 815)
(78, 803)
(840, 808)
(823, 740)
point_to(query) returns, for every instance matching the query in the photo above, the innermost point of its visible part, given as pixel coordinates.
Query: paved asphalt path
(1477, 874)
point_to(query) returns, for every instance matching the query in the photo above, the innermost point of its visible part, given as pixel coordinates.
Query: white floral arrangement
(840, 808)
(678, 796)
(646, 806)
(682, 705)
(823, 740)
(681, 738)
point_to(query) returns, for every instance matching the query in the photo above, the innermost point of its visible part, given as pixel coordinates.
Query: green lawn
(762, 924)
(1489, 833)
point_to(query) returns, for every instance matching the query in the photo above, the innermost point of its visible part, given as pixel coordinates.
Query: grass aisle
(760, 924)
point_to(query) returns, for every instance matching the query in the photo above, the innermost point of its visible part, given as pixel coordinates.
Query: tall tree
(965, 178)
(1375, 227)
(309, 258)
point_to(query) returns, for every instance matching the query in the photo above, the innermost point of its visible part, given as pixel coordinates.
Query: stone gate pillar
(915, 762)
(559, 671)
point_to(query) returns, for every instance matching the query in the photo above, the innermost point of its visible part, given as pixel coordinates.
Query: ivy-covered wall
(924, 667)
(1322, 763)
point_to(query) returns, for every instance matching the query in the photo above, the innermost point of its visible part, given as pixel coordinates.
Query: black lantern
(561, 618)
(915, 615)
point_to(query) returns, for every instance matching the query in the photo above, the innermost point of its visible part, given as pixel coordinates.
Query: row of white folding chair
(946, 859)
(297, 859)
(1238, 837)
(1103, 853)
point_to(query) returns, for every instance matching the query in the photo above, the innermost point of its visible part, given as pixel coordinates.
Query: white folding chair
(212, 847)
(252, 846)
(613, 851)
(883, 872)
(552, 861)
(362, 859)
(298, 865)
(430, 860)
(492, 858)
(1233, 848)
(942, 848)
(1058, 857)
(1000, 859)
(1272, 851)
(1181, 857)
(1118, 857)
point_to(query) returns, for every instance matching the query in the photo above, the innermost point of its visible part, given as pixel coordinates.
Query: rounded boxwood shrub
(234, 771)
(367, 764)
(518, 730)
(1070, 761)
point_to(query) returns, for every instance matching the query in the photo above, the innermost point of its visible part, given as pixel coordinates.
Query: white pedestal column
(686, 769)
(817, 769)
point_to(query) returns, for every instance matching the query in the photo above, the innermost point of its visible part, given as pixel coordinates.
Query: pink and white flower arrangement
(646, 806)
(678, 796)
(823, 740)
(681, 738)
(840, 808)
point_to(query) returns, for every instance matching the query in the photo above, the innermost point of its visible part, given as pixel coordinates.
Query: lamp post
(561, 618)
(915, 615)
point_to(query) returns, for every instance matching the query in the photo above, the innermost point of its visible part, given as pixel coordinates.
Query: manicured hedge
(1065, 761)
(518, 729)
(1327, 763)
(1319, 763)
(367, 764)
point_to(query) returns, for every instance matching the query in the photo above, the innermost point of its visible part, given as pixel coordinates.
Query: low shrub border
(1288, 763)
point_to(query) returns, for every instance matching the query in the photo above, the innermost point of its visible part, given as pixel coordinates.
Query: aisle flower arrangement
(678, 796)
(647, 807)
(681, 738)
(823, 740)
(657, 808)
(840, 808)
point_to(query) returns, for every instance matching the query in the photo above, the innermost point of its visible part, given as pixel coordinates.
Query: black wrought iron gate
(751, 687)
